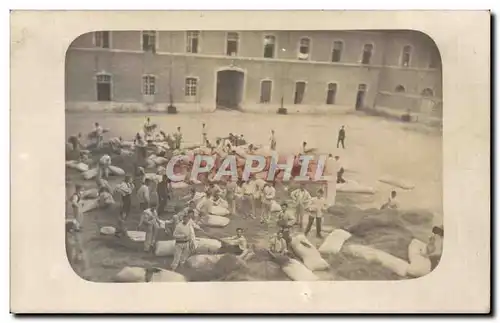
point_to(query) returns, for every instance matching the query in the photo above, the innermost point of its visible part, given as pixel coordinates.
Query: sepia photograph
(250, 162)
(204, 155)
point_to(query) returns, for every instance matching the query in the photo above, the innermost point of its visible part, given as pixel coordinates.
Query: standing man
(77, 209)
(104, 163)
(143, 195)
(231, 196)
(316, 208)
(163, 190)
(286, 221)
(273, 141)
(435, 246)
(98, 135)
(341, 137)
(184, 241)
(205, 205)
(301, 199)
(249, 192)
(148, 129)
(125, 189)
(178, 138)
(204, 135)
(268, 195)
(150, 218)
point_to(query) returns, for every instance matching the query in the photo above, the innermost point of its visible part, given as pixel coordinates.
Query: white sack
(334, 242)
(203, 261)
(91, 173)
(215, 221)
(165, 248)
(420, 264)
(107, 231)
(298, 272)
(309, 254)
(219, 210)
(115, 170)
(131, 275)
(167, 276)
(396, 182)
(397, 265)
(137, 236)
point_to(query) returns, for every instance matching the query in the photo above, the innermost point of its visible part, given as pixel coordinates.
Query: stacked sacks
(308, 253)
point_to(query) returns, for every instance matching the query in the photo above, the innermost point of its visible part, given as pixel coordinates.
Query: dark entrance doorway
(300, 88)
(103, 87)
(229, 89)
(360, 97)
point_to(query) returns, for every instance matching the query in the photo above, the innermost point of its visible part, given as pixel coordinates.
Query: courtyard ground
(374, 147)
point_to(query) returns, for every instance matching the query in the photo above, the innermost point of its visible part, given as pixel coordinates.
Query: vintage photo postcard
(227, 163)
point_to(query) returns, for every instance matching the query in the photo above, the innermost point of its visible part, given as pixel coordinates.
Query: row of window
(191, 89)
(102, 40)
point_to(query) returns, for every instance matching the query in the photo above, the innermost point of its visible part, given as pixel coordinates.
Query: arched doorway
(230, 88)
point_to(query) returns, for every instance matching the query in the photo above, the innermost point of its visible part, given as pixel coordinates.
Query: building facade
(259, 71)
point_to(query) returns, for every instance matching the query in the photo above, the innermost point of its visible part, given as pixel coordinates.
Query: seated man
(237, 245)
(277, 244)
(219, 201)
(105, 197)
(435, 246)
(391, 203)
(286, 221)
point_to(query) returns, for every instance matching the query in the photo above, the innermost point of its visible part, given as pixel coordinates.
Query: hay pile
(386, 230)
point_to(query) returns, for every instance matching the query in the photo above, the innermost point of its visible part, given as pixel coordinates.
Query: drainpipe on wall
(170, 94)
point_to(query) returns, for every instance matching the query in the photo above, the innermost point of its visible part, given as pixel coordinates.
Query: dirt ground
(374, 147)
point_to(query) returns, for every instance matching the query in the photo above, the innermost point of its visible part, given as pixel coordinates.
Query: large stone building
(303, 71)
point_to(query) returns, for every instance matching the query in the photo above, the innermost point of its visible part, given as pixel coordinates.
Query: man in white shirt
(205, 205)
(269, 193)
(272, 140)
(391, 203)
(237, 245)
(104, 163)
(249, 192)
(143, 195)
(98, 135)
(125, 190)
(231, 188)
(149, 217)
(316, 207)
(178, 138)
(171, 224)
(301, 199)
(75, 201)
(204, 133)
(277, 244)
(184, 242)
